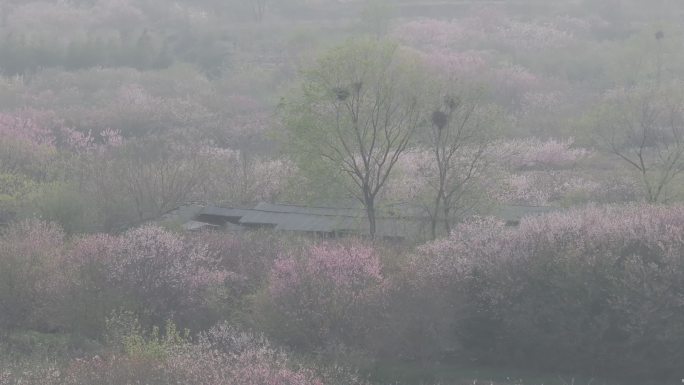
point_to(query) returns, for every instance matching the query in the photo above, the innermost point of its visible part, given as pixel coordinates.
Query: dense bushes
(148, 270)
(31, 277)
(325, 296)
(596, 290)
(222, 356)
(52, 284)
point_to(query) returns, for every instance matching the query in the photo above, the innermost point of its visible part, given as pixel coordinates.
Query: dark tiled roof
(405, 221)
(286, 217)
(310, 210)
(224, 211)
(316, 219)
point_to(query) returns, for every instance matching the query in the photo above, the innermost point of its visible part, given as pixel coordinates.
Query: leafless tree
(645, 129)
(150, 177)
(259, 9)
(460, 135)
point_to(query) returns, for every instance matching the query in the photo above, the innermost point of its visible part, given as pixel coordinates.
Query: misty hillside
(328, 192)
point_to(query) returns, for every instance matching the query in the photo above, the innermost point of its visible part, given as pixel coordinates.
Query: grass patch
(413, 373)
(33, 345)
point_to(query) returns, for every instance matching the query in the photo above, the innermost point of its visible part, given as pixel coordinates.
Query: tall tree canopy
(355, 115)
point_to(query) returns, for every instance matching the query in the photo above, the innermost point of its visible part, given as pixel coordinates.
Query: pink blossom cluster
(414, 173)
(241, 178)
(576, 25)
(25, 129)
(537, 35)
(484, 28)
(270, 178)
(223, 356)
(467, 49)
(595, 234)
(608, 229)
(249, 256)
(43, 242)
(249, 125)
(43, 130)
(535, 153)
(31, 262)
(159, 269)
(435, 34)
(324, 295)
(458, 64)
(510, 82)
(477, 238)
(15, 374)
(417, 176)
(134, 110)
(351, 267)
(39, 18)
(533, 103)
(515, 78)
(87, 142)
(596, 280)
(242, 104)
(528, 171)
(431, 33)
(134, 100)
(541, 188)
(153, 256)
(158, 274)
(226, 356)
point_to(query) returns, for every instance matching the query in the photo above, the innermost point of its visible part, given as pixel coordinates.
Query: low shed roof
(405, 222)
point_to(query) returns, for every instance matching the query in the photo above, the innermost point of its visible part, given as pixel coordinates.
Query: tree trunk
(434, 218)
(447, 222)
(259, 9)
(370, 212)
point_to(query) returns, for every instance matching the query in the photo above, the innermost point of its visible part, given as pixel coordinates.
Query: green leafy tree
(355, 116)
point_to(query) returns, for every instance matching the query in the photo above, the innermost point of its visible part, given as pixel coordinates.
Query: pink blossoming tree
(571, 289)
(326, 293)
(153, 272)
